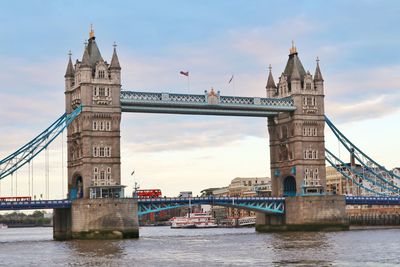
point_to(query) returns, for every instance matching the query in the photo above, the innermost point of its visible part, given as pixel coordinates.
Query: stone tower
(94, 168)
(297, 145)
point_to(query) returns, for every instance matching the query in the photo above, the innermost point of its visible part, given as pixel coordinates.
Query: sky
(356, 41)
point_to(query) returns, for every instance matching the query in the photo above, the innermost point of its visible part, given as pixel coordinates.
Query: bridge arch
(289, 186)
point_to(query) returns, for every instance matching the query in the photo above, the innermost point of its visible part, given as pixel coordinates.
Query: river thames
(162, 246)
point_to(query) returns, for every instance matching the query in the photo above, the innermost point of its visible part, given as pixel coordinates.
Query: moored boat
(194, 220)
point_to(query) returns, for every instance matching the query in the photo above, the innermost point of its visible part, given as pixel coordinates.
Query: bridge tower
(297, 147)
(297, 154)
(99, 209)
(94, 137)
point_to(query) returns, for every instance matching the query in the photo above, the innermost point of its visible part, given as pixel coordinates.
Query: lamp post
(136, 186)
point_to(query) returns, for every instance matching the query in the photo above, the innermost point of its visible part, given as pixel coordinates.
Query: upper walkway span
(211, 103)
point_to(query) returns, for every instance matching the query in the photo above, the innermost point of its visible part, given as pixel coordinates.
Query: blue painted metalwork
(357, 200)
(26, 153)
(35, 204)
(260, 204)
(371, 166)
(352, 174)
(204, 104)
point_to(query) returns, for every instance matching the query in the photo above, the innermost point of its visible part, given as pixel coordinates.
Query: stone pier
(110, 218)
(307, 213)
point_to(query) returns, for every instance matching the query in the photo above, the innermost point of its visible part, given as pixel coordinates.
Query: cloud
(363, 94)
(156, 133)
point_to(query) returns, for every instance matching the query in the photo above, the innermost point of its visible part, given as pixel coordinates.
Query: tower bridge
(294, 108)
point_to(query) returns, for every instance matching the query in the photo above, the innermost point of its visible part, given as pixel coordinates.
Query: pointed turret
(295, 75)
(114, 60)
(294, 62)
(270, 82)
(85, 58)
(318, 75)
(271, 86)
(70, 68)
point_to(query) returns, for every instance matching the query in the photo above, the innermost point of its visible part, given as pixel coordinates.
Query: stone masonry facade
(297, 147)
(94, 136)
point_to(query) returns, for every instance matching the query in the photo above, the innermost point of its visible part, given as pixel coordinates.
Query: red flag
(186, 73)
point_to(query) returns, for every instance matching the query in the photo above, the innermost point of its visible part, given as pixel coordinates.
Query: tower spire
(114, 60)
(270, 82)
(295, 75)
(91, 33)
(318, 75)
(293, 49)
(70, 68)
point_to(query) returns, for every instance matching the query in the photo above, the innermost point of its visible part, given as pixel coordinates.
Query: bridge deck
(275, 204)
(204, 104)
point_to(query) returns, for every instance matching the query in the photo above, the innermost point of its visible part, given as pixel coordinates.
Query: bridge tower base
(307, 213)
(106, 218)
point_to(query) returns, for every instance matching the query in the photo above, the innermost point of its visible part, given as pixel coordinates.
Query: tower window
(108, 126)
(101, 152)
(102, 91)
(101, 74)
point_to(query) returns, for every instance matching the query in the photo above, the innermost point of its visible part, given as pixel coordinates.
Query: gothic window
(101, 74)
(108, 170)
(308, 86)
(102, 175)
(314, 131)
(95, 91)
(95, 125)
(102, 91)
(95, 152)
(95, 170)
(108, 92)
(108, 126)
(101, 126)
(101, 151)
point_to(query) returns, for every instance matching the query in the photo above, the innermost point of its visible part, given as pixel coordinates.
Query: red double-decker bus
(11, 199)
(148, 193)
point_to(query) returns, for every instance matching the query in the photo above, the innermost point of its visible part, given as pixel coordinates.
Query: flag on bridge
(186, 73)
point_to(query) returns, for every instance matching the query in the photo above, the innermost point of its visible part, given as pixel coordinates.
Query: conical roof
(114, 60)
(318, 75)
(94, 52)
(270, 82)
(70, 69)
(85, 58)
(294, 67)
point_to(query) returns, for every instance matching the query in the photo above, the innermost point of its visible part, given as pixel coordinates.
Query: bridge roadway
(149, 205)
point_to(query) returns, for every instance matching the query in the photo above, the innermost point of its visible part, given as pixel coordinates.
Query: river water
(162, 246)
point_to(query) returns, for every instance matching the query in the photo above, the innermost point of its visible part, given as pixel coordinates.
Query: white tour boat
(3, 226)
(194, 220)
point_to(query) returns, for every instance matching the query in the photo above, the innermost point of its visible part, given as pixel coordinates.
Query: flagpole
(188, 84)
(233, 80)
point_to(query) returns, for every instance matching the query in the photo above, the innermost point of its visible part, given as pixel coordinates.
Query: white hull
(194, 220)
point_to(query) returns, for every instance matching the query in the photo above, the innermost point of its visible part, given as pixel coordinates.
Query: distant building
(239, 187)
(245, 186)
